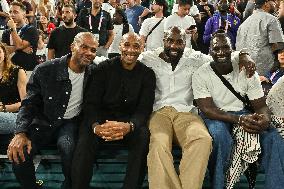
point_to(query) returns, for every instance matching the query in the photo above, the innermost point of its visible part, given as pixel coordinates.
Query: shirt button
(125, 100)
(59, 117)
(50, 125)
(63, 106)
(67, 93)
(50, 98)
(37, 129)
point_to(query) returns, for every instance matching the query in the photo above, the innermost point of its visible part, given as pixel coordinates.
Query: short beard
(68, 23)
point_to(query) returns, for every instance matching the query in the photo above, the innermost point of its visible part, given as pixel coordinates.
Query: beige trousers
(187, 129)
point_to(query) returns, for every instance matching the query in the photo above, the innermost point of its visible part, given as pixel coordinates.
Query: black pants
(65, 136)
(87, 149)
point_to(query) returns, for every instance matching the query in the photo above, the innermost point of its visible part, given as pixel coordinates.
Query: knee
(66, 145)
(160, 142)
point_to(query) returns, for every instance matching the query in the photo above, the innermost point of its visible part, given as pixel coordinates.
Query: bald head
(132, 37)
(175, 31)
(80, 37)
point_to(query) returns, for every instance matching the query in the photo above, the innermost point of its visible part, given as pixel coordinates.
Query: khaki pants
(187, 130)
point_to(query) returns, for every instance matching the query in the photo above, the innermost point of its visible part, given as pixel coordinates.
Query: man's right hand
(16, 148)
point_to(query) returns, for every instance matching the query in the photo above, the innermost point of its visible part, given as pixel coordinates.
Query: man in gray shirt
(260, 33)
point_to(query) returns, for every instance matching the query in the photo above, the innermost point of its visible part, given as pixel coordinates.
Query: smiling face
(221, 49)
(131, 47)
(174, 43)
(84, 50)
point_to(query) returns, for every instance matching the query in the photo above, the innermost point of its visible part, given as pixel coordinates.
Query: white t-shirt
(117, 29)
(5, 6)
(206, 83)
(108, 8)
(155, 39)
(76, 97)
(182, 22)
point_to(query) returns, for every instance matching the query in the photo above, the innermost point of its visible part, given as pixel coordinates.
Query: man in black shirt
(62, 37)
(117, 104)
(21, 38)
(99, 23)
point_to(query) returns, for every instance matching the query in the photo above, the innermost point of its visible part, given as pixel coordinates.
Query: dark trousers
(65, 137)
(87, 149)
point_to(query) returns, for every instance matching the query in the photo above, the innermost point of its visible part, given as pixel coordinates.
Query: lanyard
(227, 23)
(273, 75)
(100, 22)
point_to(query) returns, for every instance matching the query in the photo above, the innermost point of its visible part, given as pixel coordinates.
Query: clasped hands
(254, 123)
(112, 130)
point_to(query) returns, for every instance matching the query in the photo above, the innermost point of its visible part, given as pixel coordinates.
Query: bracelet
(243, 51)
(3, 108)
(240, 117)
(132, 126)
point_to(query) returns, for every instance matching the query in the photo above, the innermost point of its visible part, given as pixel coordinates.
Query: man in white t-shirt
(152, 29)
(222, 110)
(182, 19)
(174, 118)
(51, 111)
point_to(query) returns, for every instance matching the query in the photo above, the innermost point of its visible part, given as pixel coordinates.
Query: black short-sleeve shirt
(28, 33)
(61, 38)
(92, 23)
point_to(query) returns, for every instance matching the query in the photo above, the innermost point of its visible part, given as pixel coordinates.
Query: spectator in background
(222, 19)
(135, 13)
(153, 37)
(206, 11)
(260, 34)
(109, 6)
(51, 111)
(61, 38)
(84, 4)
(42, 51)
(12, 91)
(29, 11)
(121, 27)
(98, 22)
(58, 11)
(281, 15)
(45, 25)
(4, 14)
(21, 38)
(182, 19)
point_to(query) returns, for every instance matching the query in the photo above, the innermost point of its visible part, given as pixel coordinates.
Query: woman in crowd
(12, 90)
(276, 71)
(45, 25)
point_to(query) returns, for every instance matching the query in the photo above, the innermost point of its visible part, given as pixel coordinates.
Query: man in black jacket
(51, 109)
(117, 104)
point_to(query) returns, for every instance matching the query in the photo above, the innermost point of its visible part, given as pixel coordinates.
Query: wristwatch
(132, 126)
(12, 29)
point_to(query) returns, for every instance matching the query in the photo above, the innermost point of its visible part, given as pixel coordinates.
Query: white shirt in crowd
(155, 39)
(5, 6)
(193, 10)
(206, 83)
(114, 47)
(76, 97)
(182, 22)
(108, 8)
(174, 88)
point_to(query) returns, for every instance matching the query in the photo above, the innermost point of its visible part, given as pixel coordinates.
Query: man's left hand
(118, 130)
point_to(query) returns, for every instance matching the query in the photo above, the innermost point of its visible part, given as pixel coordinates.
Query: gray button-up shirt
(257, 33)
